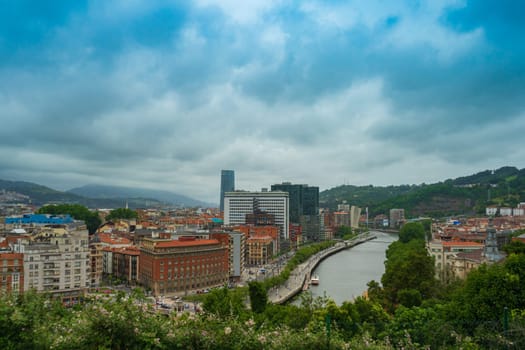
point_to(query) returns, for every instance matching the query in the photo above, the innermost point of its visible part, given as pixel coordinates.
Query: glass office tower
(227, 184)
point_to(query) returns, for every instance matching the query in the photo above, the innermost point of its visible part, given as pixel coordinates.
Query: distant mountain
(131, 193)
(464, 195)
(100, 196)
(39, 194)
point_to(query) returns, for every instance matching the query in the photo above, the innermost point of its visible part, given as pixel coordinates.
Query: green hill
(39, 194)
(464, 195)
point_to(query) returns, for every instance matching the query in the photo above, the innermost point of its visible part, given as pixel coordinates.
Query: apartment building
(126, 264)
(236, 243)
(57, 260)
(259, 250)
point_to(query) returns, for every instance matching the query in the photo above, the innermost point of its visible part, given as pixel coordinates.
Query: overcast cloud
(165, 94)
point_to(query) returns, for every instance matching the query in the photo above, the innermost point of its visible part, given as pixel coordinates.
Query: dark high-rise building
(227, 184)
(295, 195)
(304, 207)
(310, 200)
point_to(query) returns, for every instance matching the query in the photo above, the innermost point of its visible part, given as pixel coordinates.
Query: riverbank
(300, 276)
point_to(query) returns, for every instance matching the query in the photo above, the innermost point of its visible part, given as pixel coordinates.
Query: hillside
(97, 196)
(464, 195)
(39, 194)
(129, 194)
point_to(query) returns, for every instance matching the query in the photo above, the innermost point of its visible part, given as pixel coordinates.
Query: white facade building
(491, 211)
(238, 204)
(57, 263)
(504, 211)
(518, 212)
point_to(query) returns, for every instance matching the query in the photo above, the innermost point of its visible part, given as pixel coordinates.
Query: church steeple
(491, 251)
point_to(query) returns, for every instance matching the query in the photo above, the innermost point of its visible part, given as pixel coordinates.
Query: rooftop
(175, 243)
(461, 244)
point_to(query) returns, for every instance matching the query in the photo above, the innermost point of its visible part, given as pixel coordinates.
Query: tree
(514, 247)
(411, 231)
(408, 266)
(343, 231)
(487, 291)
(122, 213)
(258, 296)
(77, 211)
(409, 297)
(224, 303)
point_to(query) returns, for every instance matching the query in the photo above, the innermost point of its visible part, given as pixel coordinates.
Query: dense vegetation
(77, 211)
(121, 213)
(464, 195)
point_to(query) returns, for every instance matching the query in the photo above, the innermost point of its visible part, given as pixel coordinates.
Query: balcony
(51, 273)
(51, 266)
(51, 281)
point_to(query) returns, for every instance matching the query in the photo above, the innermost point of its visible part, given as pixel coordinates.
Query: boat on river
(314, 281)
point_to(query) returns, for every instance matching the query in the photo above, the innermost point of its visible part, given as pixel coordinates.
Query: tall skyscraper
(227, 184)
(304, 207)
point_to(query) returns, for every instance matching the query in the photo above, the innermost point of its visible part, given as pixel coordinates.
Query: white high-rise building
(238, 204)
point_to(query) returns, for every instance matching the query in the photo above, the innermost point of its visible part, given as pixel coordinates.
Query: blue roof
(39, 219)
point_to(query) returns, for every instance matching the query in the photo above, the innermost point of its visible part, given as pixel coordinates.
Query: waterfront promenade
(300, 276)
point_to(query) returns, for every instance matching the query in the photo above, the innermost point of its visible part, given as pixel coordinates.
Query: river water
(343, 276)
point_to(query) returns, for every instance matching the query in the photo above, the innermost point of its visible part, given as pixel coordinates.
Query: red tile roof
(175, 243)
(463, 244)
(112, 239)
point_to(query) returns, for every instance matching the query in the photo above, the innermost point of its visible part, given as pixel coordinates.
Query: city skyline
(163, 95)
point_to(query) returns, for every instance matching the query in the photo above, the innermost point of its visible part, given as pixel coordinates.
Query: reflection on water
(344, 276)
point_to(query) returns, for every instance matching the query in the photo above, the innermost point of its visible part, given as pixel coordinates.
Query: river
(343, 276)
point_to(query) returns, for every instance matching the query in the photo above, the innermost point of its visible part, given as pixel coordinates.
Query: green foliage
(343, 231)
(33, 321)
(258, 296)
(411, 231)
(24, 319)
(225, 303)
(408, 267)
(514, 247)
(77, 211)
(422, 326)
(361, 196)
(409, 297)
(122, 213)
(487, 291)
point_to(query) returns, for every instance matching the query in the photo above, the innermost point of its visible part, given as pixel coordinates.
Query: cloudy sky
(165, 94)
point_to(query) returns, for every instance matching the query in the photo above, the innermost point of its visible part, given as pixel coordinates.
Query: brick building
(12, 272)
(171, 267)
(261, 231)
